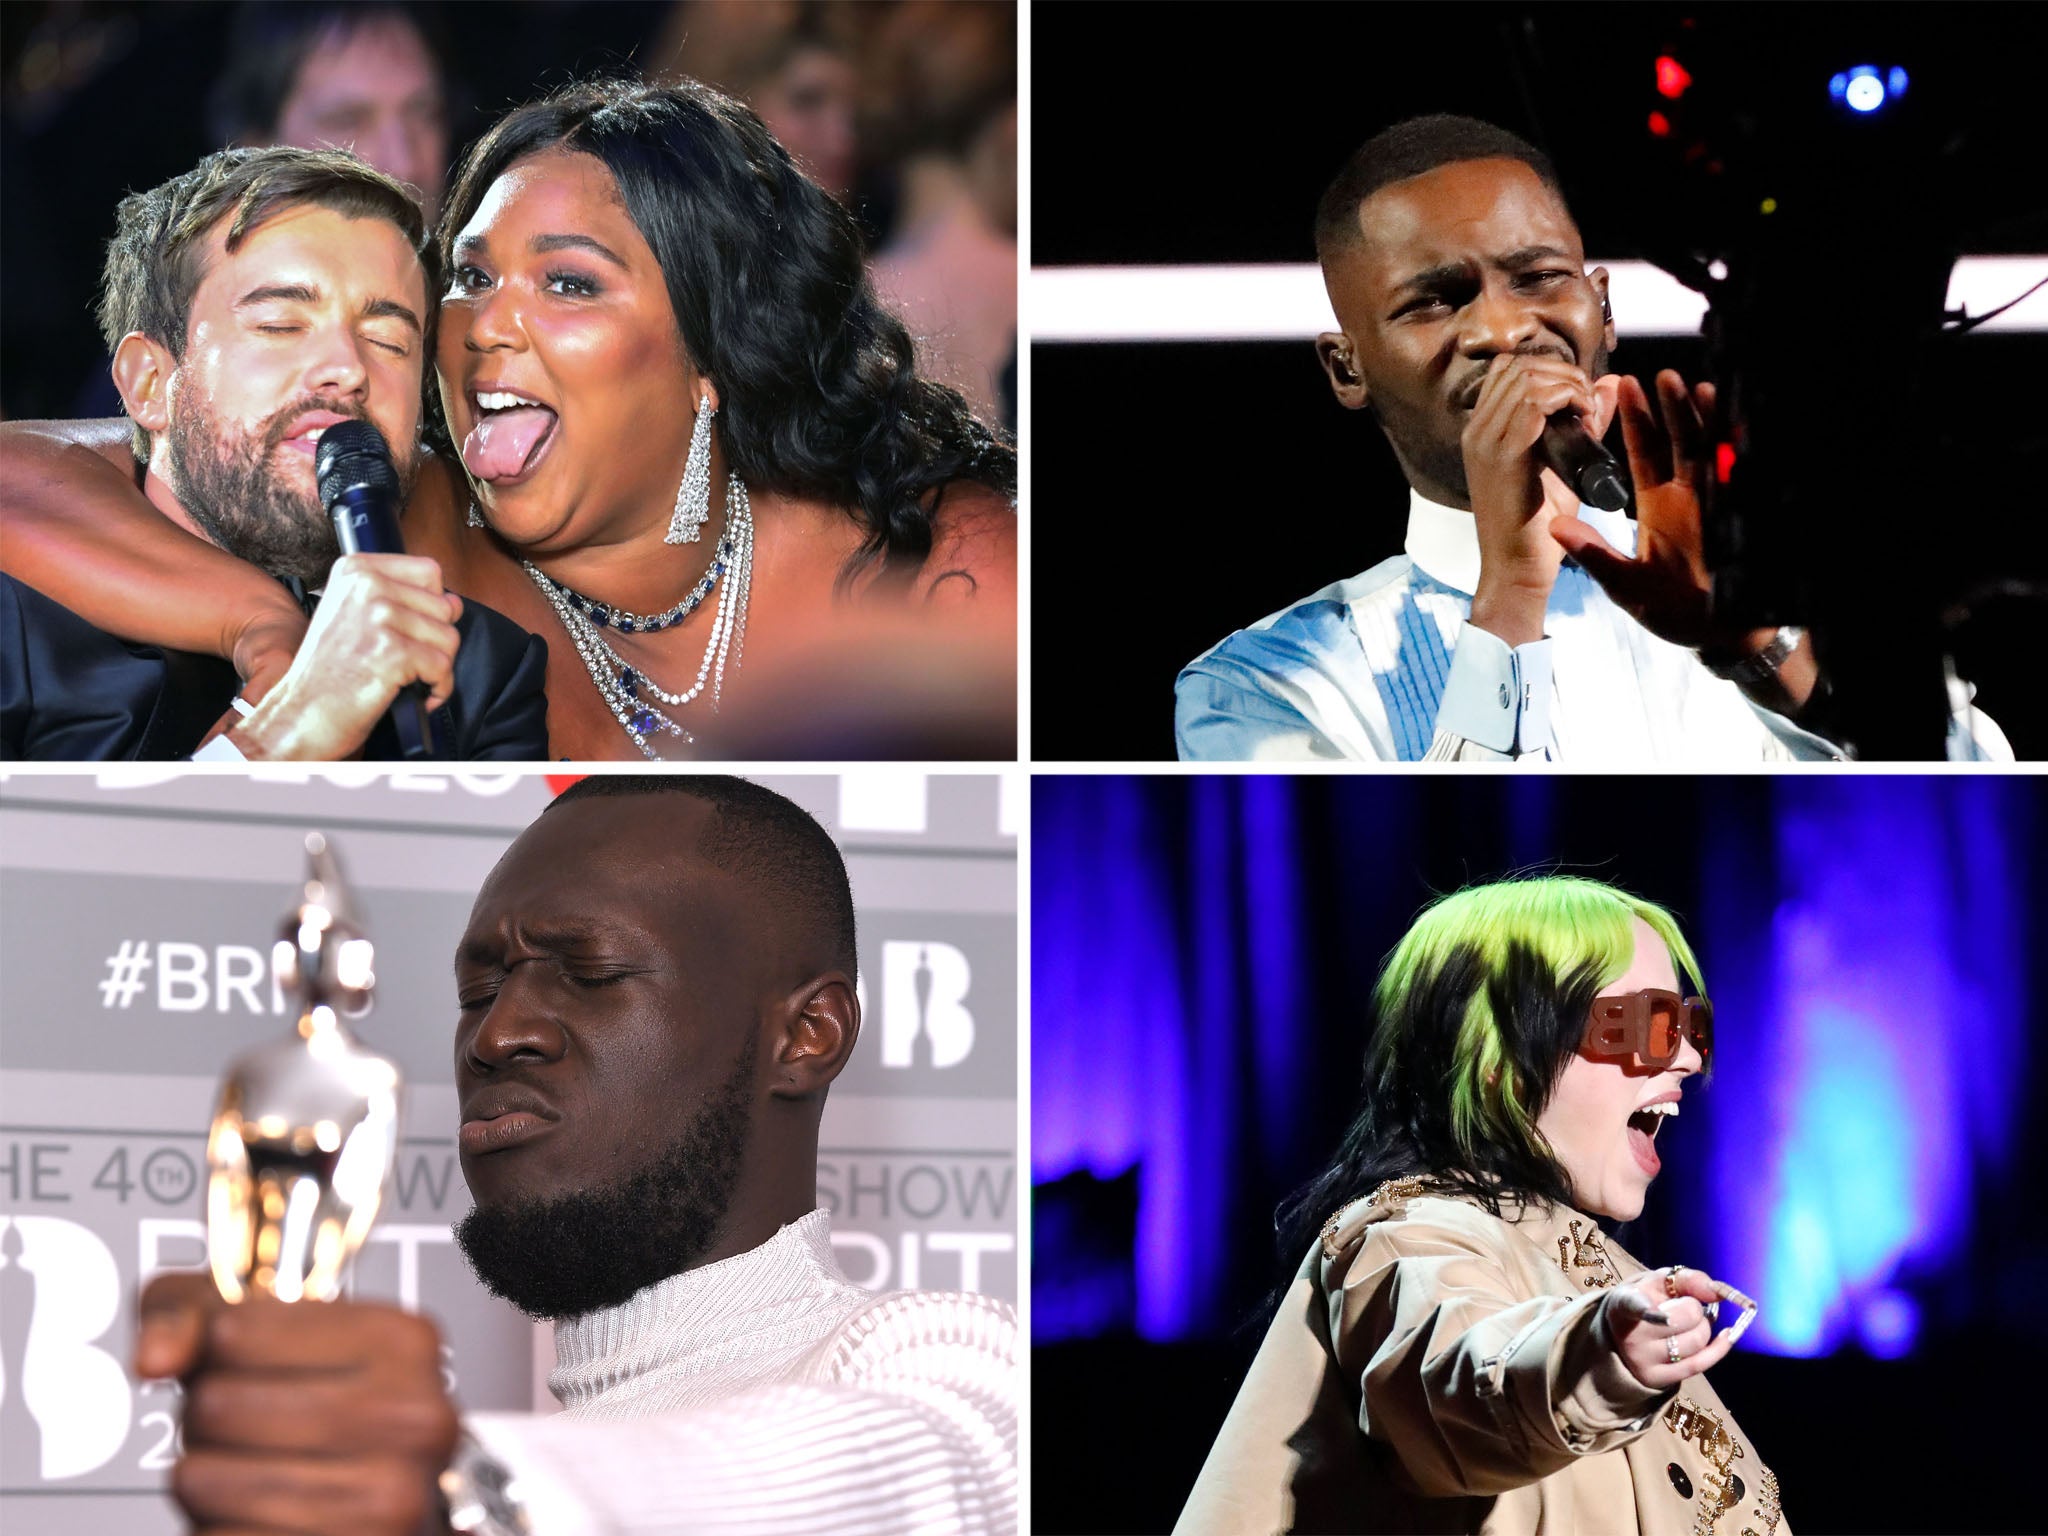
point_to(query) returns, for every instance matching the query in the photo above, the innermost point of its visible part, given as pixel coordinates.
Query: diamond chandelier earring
(693, 496)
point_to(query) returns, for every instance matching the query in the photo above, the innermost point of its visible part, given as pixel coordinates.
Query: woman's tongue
(501, 442)
(1643, 1145)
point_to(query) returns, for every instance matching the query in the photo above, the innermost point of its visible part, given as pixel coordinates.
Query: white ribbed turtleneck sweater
(769, 1393)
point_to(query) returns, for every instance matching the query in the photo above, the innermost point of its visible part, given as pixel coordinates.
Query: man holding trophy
(656, 989)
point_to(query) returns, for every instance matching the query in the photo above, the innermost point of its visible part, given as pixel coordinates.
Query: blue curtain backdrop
(1203, 950)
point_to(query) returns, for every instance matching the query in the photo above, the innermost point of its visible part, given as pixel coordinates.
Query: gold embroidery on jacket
(1391, 1190)
(1768, 1509)
(1587, 1250)
(1397, 1189)
(1722, 1450)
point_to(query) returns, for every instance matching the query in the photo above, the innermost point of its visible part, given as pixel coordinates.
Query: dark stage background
(1217, 482)
(1866, 1161)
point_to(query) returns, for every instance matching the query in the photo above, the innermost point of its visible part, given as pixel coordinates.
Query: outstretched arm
(79, 531)
(1479, 1389)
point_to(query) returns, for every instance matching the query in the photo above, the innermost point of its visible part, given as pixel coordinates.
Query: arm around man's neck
(78, 529)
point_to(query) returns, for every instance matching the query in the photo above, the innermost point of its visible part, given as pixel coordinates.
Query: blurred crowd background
(904, 109)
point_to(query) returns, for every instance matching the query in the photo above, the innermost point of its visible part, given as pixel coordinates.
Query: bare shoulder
(974, 548)
(434, 516)
(110, 437)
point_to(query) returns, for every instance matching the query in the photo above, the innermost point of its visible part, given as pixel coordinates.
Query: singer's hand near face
(1667, 584)
(384, 621)
(316, 1417)
(1515, 501)
(1468, 312)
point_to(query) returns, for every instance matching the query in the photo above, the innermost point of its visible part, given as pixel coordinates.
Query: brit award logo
(926, 1023)
(65, 1401)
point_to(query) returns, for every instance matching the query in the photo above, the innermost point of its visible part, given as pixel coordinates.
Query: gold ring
(1671, 1279)
(1671, 1347)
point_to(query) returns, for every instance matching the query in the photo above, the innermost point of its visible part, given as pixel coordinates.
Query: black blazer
(70, 692)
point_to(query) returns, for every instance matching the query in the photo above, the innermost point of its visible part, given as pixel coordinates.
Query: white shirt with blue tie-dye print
(1384, 666)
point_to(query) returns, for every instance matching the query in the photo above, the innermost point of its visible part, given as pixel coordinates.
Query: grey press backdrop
(137, 911)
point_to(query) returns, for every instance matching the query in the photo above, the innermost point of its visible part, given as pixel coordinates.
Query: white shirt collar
(1443, 542)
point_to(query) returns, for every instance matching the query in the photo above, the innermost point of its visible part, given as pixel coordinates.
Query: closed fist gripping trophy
(307, 1127)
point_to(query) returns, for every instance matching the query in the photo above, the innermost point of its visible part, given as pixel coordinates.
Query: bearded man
(250, 304)
(656, 989)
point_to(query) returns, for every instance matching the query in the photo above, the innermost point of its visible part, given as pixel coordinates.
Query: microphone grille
(352, 454)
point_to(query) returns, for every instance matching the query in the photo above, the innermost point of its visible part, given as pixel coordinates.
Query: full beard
(234, 490)
(594, 1248)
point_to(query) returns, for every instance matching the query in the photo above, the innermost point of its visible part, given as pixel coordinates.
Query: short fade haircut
(1411, 148)
(155, 262)
(762, 837)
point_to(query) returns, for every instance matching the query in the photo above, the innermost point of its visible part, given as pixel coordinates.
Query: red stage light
(1660, 125)
(1724, 461)
(1672, 78)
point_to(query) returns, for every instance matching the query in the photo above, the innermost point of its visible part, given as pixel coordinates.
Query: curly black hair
(819, 391)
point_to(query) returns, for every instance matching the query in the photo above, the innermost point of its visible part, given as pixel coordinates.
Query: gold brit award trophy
(307, 1128)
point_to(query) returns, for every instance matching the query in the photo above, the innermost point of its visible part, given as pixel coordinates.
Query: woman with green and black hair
(1462, 1349)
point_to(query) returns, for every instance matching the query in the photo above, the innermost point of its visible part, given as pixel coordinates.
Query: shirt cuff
(1497, 695)
(219, 750)
(1605, 1396)
(551, 1504)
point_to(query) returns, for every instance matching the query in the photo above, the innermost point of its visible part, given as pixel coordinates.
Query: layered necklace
(636, 701)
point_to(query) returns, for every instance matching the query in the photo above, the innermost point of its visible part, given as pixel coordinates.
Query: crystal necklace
(636, 701)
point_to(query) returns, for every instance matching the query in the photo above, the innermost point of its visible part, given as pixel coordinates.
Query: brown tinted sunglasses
(1650, 1025)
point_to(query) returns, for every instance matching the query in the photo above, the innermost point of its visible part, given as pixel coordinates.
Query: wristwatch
(1763, 665)
(482, 1494)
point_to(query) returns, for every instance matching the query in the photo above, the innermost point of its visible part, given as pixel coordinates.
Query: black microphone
(359, 491)
(1577, 457)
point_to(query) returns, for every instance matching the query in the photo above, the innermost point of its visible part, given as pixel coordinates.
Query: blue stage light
(1890, 1323)
(1895, 82)
(1884, 1073)
(1875, 1067)
(1862, 89)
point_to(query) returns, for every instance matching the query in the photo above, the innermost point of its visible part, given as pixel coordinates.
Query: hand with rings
(1663, 1324)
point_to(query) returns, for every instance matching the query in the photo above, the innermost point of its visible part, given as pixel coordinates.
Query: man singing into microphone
(1469, 321)
(252, 303)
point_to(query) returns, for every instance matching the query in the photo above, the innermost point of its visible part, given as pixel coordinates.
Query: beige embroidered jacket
(1437, 1369)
